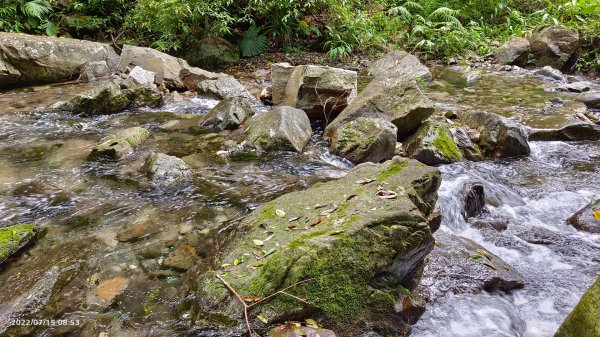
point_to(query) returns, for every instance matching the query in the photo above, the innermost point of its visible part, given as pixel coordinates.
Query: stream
(45, 179)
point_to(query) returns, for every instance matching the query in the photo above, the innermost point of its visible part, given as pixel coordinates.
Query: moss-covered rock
(13, 238)
(365, 139)
(584, 320)
(356, 241)
(433, 144)
(212, 51)
(121, 144)
(398, 100)
(281, 129)
(165, 171)
(228, 114)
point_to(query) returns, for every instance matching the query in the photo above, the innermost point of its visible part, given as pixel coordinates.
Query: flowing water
(45, 179)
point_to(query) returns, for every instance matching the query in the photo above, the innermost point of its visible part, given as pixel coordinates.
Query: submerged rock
(397, 100)
(223, 87)
(146, 224)
(590, 99)
(364, 139)
(399, 64)
(354, 242)
(433, 144)
(460, 266)
(514, 51)
(587, 219)
(550, 72)
(182, 258)
(555, 46)
(322, 92)
(26, 59)
(499, 137)
(297, 330)
(229, 114)
(572, 132)
(584, 320)
(165, 171)
(281, 129)
(13, 238)
(120, 144)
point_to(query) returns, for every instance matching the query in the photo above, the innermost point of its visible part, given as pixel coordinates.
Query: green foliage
(253, 43)
(26, 16)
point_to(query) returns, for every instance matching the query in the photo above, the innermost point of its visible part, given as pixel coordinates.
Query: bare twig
(248, 306)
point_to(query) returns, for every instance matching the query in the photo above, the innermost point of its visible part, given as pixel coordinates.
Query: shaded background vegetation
(434, 29)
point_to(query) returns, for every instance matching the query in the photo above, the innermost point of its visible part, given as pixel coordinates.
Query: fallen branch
(249, 306)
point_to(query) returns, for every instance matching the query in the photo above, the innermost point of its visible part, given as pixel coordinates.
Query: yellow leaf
(280, 213)
(597, 214)
(262, 318)
(258, 242)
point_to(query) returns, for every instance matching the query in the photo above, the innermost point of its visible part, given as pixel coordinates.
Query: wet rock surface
(365, 140)
(281, 129)
(587, 219)
(433, 144)
(399, 64)
(515, 51)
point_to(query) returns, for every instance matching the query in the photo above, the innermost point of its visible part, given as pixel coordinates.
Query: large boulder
(26, 59)
(365, 139)
(590, 99)
(355, 243)
(166, 171)
(107, 97)
(550, 72)
(140, 77)
(572, 132)
(280, 74)
(223, 87)
(121, 144)
(514, 51)
(555, 46)
(166, 67)
(212, 51)
(191, 77)
(587, 219)
(229, 114)
(322, 92)
(433, 144)
(499, 137)
(399, 63)
(398, 100)
(461, 266)
(13, 238)
(584, 320)
(281, 129)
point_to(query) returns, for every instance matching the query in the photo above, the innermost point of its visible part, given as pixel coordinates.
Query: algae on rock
(13, 238)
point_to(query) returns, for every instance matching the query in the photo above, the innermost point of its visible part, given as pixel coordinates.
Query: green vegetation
(12, 238)
(440, 29)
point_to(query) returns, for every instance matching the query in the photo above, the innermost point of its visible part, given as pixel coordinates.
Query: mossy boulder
(229, 114)
(357, 242)
(398, 100)
(499, 137)
(364, 139)
(166, 171)
(108, 98)
(281, 129)
(212, 51)
(120, 144)
(13, 238)
(555, 46)
(584, 320)
(433, 144)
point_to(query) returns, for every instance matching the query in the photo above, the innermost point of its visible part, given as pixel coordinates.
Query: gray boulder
(514, 51)
(356, 259)
(399, 63)
(364, 140)
(461, 266)
(571, 132)
(465, 144)
(229, 114)
(499, 137)
(398, 100)
(140, 77)
(555, 46)
(166, 67)
(433, 144)
(223, 87)
(166, 171)
(281, 129)
(586, 219)
(280, 74)
(590, 99)
(120, 144)
(550, 72)
(579, 86)
(26, 59)
(212, 51)
(322, 92)
(191, 77)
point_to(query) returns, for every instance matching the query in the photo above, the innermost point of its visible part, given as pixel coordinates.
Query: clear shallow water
(537, 194)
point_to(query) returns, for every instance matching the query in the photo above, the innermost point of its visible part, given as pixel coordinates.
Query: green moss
(392, 169)
(445, 145)
(584, 320)
(12, 238)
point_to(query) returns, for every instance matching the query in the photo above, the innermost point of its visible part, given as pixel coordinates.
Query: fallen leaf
(292, 228)
(262, 318)
(315, 222)
(329, 211)
(338, 232)
(268, 238)
(597, 214)
(365, 181)
(294, 219)
(251, 299)
(270, 252)
(351, 197)
(490, 265)
(258, 242)
(317, 206)
(311, 323)
(280, 213)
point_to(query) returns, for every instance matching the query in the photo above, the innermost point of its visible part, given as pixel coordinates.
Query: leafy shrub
(252, 42)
